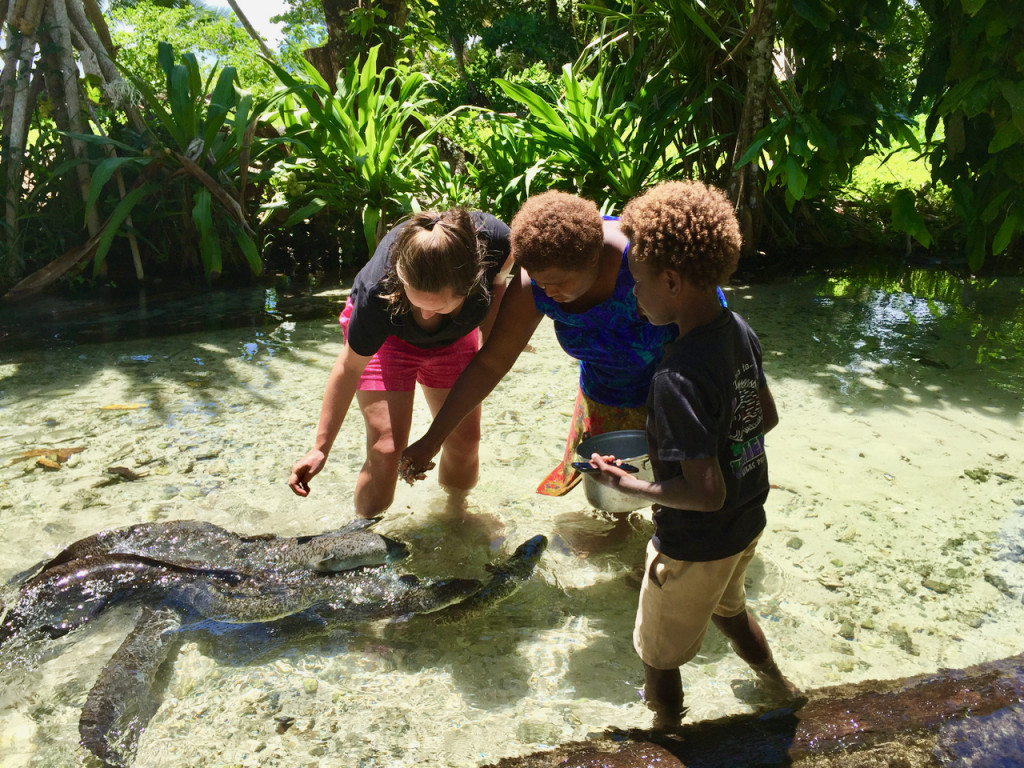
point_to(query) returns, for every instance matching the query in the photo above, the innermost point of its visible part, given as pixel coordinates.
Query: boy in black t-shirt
(708, 410)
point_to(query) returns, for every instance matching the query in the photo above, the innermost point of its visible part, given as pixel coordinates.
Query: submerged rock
(1006, 572)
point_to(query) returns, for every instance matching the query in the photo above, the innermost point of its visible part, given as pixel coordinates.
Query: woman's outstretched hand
(306, 469)
(416, 461)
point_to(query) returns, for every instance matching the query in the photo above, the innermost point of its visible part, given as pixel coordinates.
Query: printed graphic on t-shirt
(746, 433)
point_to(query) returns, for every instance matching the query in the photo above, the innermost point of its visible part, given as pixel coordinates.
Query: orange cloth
(588, 418)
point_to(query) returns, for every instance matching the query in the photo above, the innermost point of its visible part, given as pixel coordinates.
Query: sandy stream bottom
(899, 492)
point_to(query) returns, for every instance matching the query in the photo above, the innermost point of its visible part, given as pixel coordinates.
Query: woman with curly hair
(572, 268)
(412, 316)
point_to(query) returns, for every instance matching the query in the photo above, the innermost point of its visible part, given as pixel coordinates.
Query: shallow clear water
(893, 545)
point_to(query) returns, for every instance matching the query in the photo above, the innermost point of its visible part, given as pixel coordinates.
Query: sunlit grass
(902, 166)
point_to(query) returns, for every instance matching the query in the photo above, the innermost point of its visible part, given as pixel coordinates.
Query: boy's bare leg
(663, 692)
(750, 645)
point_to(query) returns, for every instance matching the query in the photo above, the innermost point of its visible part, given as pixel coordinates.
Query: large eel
(196, 544)
(62, 598)
(506, 578)
(121, 702)
(353, 596)
(150, 559)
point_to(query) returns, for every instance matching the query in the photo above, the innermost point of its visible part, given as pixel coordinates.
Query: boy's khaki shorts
(677, 600)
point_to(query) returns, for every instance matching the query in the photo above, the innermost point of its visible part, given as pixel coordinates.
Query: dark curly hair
(556, 230)
(435, 251)
(686, 226)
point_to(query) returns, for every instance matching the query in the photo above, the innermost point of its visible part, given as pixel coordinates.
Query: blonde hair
(556, 229)
(685, 226)
(435, 251)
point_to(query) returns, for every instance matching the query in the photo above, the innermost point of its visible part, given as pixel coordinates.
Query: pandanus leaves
(357, 148)
(199, 135)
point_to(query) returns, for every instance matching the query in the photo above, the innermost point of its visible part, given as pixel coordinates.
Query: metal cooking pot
(628, 446)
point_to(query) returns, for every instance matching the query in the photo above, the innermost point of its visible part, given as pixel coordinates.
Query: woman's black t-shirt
(372, 321)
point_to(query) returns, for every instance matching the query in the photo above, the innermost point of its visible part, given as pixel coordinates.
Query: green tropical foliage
(189, 173)
(840, 109)
(355, 151)
(682, 47)
(600, 142)
(215, 39)
(974, 68)
(480, 104)
(508, 166)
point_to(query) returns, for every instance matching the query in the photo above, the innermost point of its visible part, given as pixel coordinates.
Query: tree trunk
(95, 16)
(69, 25)
(15, 82)
(251, 29)
(342, 47)
(742, 186)
(62, 27)
(971, 715)
(329, 57)
(25, 15)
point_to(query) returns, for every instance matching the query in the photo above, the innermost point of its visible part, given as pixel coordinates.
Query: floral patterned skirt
(588, 419)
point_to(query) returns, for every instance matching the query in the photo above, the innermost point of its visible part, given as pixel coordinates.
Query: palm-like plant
(199, 144)
(603, 141)
(355, 151)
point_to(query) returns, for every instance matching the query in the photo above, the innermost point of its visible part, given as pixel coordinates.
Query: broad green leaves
(357, 151)
(906, 217)
(195, 163)
(599, 139)
(980, 105)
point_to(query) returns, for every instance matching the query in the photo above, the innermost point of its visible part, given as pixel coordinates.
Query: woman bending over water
(573, 269)
(412, 316)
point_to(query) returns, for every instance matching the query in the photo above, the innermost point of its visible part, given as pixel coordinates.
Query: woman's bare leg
(459, 466)
(388, 417)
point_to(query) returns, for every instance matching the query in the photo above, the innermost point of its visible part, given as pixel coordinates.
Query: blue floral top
(617, 349)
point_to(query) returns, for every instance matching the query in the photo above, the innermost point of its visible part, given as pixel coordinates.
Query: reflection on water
(897, 473)
(891, 318)
(54, 322)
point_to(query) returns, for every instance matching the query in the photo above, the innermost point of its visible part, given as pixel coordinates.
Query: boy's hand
(610, 473)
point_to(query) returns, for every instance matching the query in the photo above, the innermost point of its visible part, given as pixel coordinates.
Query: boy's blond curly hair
(686, 226)
(556, 230)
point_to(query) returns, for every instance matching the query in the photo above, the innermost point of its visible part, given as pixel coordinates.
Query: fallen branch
(43, 277)
(956, 717)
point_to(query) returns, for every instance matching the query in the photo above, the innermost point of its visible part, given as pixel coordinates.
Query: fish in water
(354, 595)
(194, 543)
(506, 578)
(190, 569)
(149, 559)
(121, 702)
(61, 599)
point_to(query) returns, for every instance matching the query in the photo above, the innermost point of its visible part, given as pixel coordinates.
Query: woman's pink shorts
(398, 365)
